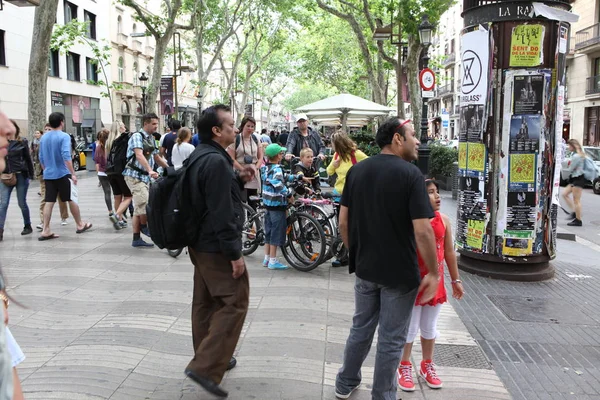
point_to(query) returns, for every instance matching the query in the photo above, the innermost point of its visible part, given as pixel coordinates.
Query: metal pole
(425, 60)
(143, 100)
(399, 80)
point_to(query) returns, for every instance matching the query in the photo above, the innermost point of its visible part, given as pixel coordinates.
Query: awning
(88, 123)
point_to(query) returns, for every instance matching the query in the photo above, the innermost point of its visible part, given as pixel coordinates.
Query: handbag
(9, 179)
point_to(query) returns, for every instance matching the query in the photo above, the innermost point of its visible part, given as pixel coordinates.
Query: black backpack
(116, 160)
(172, 219)
(238, 140)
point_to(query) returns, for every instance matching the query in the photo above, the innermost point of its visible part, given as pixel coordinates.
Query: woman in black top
(18, 162)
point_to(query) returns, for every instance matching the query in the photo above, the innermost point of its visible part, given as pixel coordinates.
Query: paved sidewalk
(107, 321)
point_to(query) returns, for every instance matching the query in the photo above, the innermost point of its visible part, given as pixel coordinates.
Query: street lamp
(383, 33)
(143, 83)
(425, 32)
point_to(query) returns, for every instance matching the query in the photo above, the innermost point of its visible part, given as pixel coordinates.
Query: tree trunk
(159, 60)
(412, 69)
(45, 14)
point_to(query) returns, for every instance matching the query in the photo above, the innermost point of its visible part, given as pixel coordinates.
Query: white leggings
(424, 318)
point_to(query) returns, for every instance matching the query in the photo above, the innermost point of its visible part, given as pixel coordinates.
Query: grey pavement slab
(102, 320)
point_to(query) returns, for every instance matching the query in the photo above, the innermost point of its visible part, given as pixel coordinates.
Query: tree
(162, 29)
(43, 21)
(306, 94)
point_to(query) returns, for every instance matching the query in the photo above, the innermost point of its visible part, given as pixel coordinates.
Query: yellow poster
(526, 46)
(475, 231)
(522, 168)
(517, 247)
(476, 157)
(462, 156)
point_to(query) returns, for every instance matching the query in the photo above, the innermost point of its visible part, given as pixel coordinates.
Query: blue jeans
(391, 309)
(22, 186)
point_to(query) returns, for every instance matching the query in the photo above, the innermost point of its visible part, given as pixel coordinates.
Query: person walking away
(62, 206)
(247, 151)
(385, 194)
(304, 136)
(121, 193)
(18, 172)
(182, 149)
(576, 182)
(141, 155)
(345, 156)
(56, 161)
(282, 139)
(276, 197)
(425, 316)
(100, 160)
(307, 172)
(221, 286)
(264, 136)
(168, 140)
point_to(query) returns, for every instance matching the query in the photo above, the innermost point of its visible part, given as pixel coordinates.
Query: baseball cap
(273, 149)
(300, 117)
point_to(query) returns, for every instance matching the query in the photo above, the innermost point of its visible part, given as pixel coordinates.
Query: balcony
(447, 89)
(593, 86)
(136, 46)
(122, 40)
(449, 60)
(149, 52)
(588, 39)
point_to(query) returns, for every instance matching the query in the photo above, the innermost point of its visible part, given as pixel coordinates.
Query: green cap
(273, 149)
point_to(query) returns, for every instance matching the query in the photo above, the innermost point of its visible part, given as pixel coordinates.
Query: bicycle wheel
(175, 253)
(251, 230)
(306, 243)
(326, 223)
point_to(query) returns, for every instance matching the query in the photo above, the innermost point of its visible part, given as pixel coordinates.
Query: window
(121, 67)
(53, 69)
(73, 67)
(90, 19)
(91, 68)
(2, 50)
(119, 24)
(134, 29)
(135, 74)
(70, 12)
(596, 66)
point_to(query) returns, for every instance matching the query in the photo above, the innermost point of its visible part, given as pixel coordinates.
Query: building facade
(582, 108)
(72, 75)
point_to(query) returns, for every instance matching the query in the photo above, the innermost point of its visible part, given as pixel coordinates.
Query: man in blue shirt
(141, 155)
(168, 140)
(59, 175)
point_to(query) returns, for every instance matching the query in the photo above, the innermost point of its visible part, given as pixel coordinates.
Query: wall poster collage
(523, 143)
(473, 213)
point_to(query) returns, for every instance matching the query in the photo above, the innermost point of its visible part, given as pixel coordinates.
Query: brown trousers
(219, 307)
(64, 213)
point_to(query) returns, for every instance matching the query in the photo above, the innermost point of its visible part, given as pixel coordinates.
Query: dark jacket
(215, 189)
(19, 159)
(310, 172)
(295, 142)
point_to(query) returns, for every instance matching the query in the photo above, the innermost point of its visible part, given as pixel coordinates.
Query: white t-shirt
(180, 153)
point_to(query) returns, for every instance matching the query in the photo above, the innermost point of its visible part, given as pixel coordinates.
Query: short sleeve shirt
(384, 194)
(136, 142)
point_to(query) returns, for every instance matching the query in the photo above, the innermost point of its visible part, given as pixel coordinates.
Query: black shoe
(27, 230)
(575, 222)
(208, 385)
(572, 216)
(339, 263)
(232, 364)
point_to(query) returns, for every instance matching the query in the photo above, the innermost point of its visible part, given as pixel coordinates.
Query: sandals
(52, 236)
(85, 228)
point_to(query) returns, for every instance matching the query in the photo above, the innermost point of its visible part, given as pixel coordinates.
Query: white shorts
(14, 349)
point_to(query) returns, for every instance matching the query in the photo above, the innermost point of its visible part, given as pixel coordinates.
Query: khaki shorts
(139, 190)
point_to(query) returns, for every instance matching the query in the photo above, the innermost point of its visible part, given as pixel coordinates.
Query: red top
(439, 229)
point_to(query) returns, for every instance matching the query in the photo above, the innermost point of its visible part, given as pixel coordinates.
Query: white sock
(266, 259)
(272, 260)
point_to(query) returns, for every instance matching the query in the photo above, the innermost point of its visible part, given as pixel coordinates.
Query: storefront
(82, 115)
(591, 135)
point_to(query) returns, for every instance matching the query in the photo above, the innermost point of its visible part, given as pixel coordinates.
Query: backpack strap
(353, 157)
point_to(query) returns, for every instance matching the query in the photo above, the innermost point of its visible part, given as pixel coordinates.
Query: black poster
(525, 131)
(528, 94)
(521, 211)
(471, 121)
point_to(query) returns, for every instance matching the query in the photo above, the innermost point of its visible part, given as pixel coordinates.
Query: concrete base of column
(533, 270)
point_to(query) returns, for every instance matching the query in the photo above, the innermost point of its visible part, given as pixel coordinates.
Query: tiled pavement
(106, 321)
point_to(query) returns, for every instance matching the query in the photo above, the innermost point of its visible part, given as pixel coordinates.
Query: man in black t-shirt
(383, 219)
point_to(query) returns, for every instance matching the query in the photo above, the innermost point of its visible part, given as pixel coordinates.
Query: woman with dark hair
(247, 151)
(18, 172)
(100, 160)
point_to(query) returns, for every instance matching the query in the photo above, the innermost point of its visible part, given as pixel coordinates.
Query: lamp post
(143, 83)
(425, 31)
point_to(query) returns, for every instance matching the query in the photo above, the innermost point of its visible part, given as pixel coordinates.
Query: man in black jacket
(221, 286)
(304, 136)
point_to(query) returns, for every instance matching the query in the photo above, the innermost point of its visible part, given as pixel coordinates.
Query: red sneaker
(405, 377)
(430, 375)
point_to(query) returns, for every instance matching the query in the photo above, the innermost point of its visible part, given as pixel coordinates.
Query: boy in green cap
(275, 198)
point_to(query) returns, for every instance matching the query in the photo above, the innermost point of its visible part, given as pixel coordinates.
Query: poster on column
(522, 172)
(528, 95)
(526, 44)
(472, 208)
(525, 131)
(475, 58)
(517, 246)
(521, 211)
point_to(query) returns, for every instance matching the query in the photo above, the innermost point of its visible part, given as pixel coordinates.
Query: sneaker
(428, 373)
(405, 377)
(141, 243)
(63, 222)
(575, 222)
(277, 265)
(122, 224)
(342, 395)
(119, 225)
(145, 231)
(265, 263)
(113, 218)
(39, 227)
(572, 216)
(26, 230)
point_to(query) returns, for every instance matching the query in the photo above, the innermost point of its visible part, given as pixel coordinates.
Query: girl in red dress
(425, 316)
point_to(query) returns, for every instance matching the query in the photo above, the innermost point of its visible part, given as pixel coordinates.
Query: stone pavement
(542, 337)
(103, 320)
